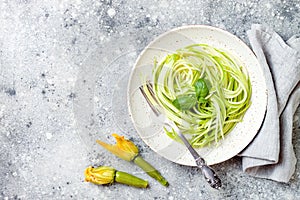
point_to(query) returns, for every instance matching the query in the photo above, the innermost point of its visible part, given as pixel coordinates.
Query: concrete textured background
(64, 67)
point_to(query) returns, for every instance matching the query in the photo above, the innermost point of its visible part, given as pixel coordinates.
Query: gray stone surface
(64, 67)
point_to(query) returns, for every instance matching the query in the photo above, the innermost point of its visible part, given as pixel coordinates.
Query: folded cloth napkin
(270, 155)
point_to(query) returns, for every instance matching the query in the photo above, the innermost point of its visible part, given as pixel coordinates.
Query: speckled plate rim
(152, 132)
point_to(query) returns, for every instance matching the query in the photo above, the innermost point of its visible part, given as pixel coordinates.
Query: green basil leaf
(185, 102)
(202, 100)
(201, 90)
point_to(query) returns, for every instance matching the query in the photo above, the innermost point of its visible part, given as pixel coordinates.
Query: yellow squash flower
(100, 175)
(125, 149)
(106, 175)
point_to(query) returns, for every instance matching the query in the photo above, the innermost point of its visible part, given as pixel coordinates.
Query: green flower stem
(128, 179)
(150, 170)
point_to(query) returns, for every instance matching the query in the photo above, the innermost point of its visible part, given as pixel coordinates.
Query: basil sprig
(186, 102)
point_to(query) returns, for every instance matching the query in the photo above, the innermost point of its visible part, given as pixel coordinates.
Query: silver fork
(208, 173)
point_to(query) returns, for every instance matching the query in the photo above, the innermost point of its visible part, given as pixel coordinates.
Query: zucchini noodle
(227, 99)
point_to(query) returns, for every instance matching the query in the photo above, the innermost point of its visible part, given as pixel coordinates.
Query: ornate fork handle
(208, 173)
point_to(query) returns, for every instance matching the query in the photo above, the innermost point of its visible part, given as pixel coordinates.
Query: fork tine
(149, 88)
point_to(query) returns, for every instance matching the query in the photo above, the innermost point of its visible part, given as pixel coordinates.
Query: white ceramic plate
(152, 132)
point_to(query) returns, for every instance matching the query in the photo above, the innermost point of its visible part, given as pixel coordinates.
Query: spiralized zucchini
(207, 118)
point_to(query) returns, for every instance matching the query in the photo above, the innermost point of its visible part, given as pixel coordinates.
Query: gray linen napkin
(270, 155)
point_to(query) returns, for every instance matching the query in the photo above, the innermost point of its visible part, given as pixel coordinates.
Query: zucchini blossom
(127, 150)
(107, 175)
(124, 149)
